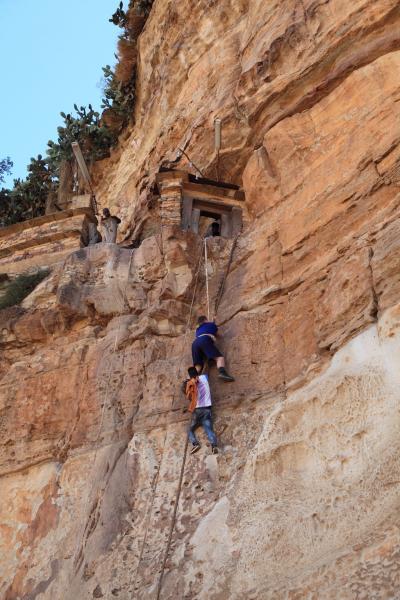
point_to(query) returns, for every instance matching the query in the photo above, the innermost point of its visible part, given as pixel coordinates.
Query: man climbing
(199, 395)
(204, 348)
(110, 225)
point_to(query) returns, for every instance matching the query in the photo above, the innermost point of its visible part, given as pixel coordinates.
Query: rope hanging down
(222, 284)
(226, 273)
(179, 488)
(182, 471)
(206, 273)
(148, 514)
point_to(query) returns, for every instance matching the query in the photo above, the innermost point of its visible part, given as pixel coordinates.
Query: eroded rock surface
(302, 501)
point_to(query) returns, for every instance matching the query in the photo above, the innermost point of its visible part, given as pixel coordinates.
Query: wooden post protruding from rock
(65, 185)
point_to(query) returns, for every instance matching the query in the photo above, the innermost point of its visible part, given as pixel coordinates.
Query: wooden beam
(210, 215)
(187, 207)
(210, 206)
(195, 220)
(234, 197)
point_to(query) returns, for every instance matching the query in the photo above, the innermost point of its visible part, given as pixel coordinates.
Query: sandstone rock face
(45, 240)
(302, 500)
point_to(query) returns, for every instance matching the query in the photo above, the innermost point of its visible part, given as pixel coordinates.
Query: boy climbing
(198, 392)
(204, 347)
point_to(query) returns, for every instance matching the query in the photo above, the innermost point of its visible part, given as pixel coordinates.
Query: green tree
(6, 165)
(86, 128)
(136, 7)
(120, 83)
(28, 197)
(143, 7)
(119, 97)
(120, 17)
(94, 133)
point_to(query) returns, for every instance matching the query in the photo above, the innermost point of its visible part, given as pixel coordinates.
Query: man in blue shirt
(204, 348)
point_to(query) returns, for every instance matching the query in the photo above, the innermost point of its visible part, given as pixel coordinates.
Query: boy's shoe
(222, 374)
(194, 449)
(214, 449)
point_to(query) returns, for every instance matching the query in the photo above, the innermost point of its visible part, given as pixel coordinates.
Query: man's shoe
(214, 449)
(194, 449)
(222, 374)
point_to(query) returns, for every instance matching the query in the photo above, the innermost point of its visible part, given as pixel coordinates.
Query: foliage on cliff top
(6, 165)
(121, 17)
(28, 197)
(120, 82)
(84, 127)
(95, 133)
(20, 287)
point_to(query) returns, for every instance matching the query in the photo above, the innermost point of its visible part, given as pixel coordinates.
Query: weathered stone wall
(44, 241)
(302, 501)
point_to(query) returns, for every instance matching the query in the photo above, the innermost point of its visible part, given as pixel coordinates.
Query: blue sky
(51, 53)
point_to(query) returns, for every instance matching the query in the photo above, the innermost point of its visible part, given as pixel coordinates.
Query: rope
(191, 162)
(171, 531)
(222, 284)
(147, 518)
(206, 273)
(179, 488)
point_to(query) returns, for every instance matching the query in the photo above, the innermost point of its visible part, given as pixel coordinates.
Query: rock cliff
(303, 499)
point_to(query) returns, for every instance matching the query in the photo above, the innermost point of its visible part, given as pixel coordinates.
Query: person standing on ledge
(110, 226)
(199, 395)
(204, 348)
(213, 230)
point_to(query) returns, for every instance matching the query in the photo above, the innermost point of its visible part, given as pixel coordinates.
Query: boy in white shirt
(199, 394)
